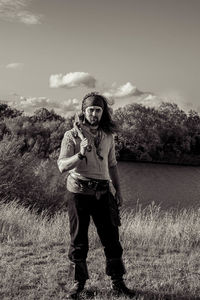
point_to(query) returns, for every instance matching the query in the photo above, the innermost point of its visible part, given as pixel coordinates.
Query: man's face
(93, 114)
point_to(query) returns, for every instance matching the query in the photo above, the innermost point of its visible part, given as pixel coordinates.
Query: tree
(43, 114)
(8, 112)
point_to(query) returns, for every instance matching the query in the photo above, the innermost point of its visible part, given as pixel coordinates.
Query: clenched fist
(83, 146)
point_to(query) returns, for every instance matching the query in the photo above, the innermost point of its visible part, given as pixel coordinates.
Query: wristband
(81, 156)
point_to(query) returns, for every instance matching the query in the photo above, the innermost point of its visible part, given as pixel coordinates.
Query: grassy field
(161, 255)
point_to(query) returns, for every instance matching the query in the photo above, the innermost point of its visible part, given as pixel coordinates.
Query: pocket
(74, 186)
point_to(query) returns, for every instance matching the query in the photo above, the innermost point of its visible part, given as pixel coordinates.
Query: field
(161, 255)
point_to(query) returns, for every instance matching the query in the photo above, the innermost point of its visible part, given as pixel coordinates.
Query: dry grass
(161, 254)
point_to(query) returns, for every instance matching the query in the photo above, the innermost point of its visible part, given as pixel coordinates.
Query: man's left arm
(114, 175)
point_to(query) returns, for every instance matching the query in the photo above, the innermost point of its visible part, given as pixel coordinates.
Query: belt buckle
(93, 184)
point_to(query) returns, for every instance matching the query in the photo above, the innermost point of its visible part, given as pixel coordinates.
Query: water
(169, 186)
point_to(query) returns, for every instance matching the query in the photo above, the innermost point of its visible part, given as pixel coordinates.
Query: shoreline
(161, 162)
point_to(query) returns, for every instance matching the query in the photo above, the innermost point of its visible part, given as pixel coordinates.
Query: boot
(75, 290)
(120, 289)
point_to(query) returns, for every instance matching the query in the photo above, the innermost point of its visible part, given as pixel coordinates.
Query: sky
(53, 52)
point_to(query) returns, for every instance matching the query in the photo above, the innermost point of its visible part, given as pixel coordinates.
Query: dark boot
(75, 290)
(120, 289)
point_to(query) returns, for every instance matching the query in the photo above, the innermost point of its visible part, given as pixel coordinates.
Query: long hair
(106, 123)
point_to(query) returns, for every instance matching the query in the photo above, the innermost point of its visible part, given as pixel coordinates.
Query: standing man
(88, 153)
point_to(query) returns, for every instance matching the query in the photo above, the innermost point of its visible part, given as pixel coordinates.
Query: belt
(92, 184)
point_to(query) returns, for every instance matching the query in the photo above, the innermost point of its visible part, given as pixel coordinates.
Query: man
(88, 153)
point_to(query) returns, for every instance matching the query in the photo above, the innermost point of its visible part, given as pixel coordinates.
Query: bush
(29, 180)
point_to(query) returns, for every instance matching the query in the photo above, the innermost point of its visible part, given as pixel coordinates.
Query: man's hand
(83, 146)
(118, 197)
(116, 183)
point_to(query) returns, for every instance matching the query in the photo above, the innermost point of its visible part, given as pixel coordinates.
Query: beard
(93, 121)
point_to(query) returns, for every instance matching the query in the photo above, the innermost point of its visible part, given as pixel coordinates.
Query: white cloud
(126, 90)
(31, 104)
(68, 106)
(150, 100)
(71, 80)
(29, 19)
(34, 102)
(155, 100)
(14, 65)
(174, 96)
(15, 10)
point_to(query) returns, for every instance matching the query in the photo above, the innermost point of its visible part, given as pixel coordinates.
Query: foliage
(165, 134)
(29, 180)
(40, 134)
(7, 112)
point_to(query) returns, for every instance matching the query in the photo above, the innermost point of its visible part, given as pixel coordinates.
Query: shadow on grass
(161, 296)
(96, 293)
(91, 293)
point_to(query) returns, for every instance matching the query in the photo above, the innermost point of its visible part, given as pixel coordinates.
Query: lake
(169, 186)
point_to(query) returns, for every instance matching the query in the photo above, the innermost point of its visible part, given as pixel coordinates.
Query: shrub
(31, 181)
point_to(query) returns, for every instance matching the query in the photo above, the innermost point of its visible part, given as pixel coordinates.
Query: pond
(169, 186)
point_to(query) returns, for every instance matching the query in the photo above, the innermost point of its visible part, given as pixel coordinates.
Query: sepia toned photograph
(99, 149)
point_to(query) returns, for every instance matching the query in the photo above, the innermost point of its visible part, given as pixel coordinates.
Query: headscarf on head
(106, 122)
(93, 100)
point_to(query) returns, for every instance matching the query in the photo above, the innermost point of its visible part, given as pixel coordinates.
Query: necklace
(96, 134)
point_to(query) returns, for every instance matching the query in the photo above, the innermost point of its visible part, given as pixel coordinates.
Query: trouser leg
(109, 236)
(79, 219)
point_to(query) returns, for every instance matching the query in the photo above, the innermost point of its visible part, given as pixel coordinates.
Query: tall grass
(161, 254)
(177, 230)
(18, 223)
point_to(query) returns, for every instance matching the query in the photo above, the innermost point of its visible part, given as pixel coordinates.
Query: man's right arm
(68, 163)
(67, 159)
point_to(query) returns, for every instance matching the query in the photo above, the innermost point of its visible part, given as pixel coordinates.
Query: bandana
(95, 100)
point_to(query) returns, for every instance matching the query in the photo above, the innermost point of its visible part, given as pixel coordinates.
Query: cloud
(174, 96)
(150, 100)
(29, 19)
(15, 10)
(126, 90)
(155, 100)
(31, 104)
(15, 65)
(67, 107)
(72, 80)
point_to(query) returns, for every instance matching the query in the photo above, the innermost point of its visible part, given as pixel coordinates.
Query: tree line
(162, 134)
(30, 145)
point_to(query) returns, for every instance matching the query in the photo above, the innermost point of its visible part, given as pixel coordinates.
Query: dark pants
(80, 208)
